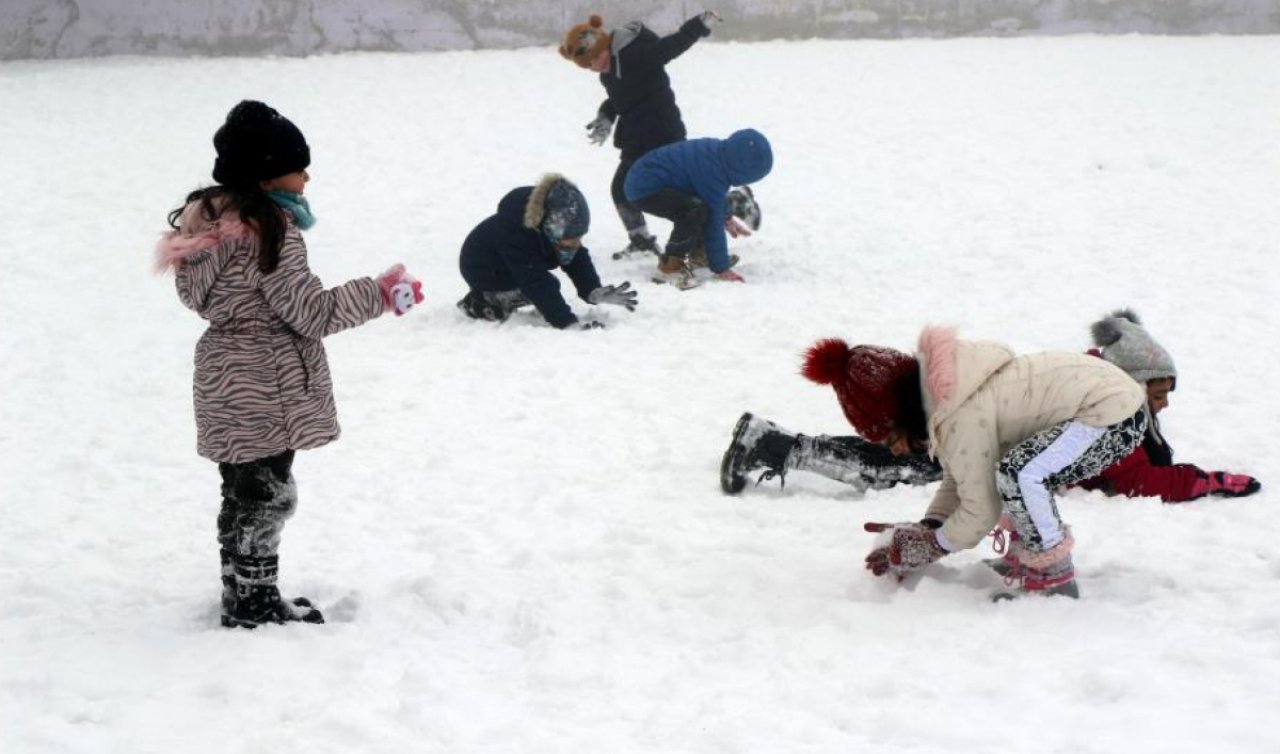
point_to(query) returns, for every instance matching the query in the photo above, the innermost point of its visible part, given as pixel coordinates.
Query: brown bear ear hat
(584, 42)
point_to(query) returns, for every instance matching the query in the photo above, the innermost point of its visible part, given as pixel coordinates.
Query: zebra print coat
(262, 383)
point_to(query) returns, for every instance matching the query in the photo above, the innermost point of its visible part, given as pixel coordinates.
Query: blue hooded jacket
(707, 168)
(509, 250)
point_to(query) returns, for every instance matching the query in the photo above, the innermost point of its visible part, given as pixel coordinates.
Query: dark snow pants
(257, 498)
(686, 211)
(631, 216)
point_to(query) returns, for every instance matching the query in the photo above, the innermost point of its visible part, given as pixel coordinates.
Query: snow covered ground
(519, 540)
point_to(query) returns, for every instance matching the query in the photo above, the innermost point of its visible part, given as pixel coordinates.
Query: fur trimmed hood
(536, 207)
(951, 370)
(195, 235)
(557, 208)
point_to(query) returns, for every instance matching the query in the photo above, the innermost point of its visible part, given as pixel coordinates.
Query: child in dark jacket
(687, 183)
(507, 259)
(632, 63)
(1150, 471)
(262, 384)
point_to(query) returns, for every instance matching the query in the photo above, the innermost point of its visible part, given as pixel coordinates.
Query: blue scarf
(297, 206)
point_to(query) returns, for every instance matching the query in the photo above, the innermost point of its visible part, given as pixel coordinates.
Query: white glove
(618, 295)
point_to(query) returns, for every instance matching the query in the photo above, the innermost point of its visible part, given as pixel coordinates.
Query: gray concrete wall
(85, 28)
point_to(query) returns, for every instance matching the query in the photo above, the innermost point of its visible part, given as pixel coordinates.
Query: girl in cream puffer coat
(1007, 430)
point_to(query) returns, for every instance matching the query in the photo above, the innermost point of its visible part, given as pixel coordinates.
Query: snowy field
(519, 540)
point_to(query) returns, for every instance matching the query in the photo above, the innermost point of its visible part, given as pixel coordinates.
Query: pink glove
(400, 290)
(729, 276)
(735, 228)
(1226, 485)
(912, 546)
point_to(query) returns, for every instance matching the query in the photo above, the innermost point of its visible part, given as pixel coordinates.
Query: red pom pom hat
(874, 384)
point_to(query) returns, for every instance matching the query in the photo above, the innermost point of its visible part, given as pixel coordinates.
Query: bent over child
(1007, 430)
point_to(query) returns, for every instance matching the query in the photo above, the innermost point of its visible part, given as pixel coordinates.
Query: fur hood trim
(175, 247)
(536, 208)
(937, 347)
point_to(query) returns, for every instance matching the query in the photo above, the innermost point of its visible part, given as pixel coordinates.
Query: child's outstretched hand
(735, 228)
(400, 290)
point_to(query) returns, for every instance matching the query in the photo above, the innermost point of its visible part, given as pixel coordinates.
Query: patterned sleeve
(299, 298)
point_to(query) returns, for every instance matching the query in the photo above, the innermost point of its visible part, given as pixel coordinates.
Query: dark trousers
(631, 216)
(257, 498)
(686, 211)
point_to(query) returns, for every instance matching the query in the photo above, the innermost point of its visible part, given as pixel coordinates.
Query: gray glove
(598, 130)
(618, 295)
(709, 17)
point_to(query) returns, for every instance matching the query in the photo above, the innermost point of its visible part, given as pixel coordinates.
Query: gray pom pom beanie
(1125, 343)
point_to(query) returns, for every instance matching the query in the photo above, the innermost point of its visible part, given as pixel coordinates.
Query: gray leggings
(257, 498)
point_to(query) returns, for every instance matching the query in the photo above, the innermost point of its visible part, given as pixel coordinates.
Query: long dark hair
(256, 210)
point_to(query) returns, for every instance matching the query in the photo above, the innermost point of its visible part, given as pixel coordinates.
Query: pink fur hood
(952, 370)
(194, 236)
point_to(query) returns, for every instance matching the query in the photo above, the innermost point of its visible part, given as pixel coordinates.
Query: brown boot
(698, 260)
(676, 271)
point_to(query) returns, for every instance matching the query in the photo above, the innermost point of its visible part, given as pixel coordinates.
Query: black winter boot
(229, 588)
(258, 601)
(757, 444)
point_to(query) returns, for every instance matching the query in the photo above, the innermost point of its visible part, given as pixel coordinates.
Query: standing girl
(262, 384)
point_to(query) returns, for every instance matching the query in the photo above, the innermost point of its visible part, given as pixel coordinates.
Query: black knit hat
(257, 144)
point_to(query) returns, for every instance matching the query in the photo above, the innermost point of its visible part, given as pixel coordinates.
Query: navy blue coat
(501, 254)
(706, 168)
(639, 90)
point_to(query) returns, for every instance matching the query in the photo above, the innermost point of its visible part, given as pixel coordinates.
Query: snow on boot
(756, 444)
(640, 245)
(741, 203)
(860, 463)
(258, 601)
(229, 588)
(676, 271)
(1057, 580)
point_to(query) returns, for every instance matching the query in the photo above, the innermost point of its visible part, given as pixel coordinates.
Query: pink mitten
(400, 290)
(912, 546)
(1226, 485)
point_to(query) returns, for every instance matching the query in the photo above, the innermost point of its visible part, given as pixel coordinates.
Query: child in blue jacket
(686, 183)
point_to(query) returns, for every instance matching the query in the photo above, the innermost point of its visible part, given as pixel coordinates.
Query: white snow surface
(519, 540)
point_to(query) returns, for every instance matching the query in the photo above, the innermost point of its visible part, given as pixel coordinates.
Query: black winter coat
(640, 95)
(501, 254)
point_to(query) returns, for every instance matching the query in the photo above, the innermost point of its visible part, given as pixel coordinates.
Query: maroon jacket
(1149, 471)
